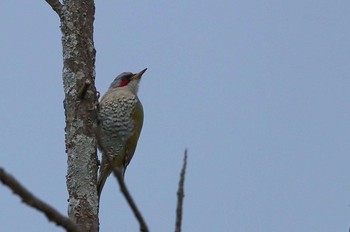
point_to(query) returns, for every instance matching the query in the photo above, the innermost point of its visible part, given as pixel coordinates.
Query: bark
(80, 104)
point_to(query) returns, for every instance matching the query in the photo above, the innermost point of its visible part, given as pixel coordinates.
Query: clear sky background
(258, 91)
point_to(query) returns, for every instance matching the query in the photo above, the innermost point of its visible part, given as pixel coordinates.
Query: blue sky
(258, 91)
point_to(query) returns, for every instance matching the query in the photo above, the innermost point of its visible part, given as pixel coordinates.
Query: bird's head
(128, 80)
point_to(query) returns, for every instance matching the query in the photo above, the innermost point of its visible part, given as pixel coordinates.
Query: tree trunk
(80, 104)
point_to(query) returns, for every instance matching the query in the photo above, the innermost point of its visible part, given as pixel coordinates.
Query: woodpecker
(120, 120)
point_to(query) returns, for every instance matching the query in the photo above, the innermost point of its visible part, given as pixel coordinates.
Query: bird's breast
(115, 116)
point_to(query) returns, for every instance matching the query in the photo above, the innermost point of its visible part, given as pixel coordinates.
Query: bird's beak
(139, 75)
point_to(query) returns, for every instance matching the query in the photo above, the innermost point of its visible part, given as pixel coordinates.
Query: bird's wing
(137, 116)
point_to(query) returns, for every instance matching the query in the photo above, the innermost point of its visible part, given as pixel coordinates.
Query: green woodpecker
(120, 120)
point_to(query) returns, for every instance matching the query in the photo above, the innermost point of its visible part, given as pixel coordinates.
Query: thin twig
(28, 198)
(118, 174)
(56, 6)
(83, 90)
(180, 195)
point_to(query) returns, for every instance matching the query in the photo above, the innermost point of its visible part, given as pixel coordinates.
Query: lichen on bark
(77, 17)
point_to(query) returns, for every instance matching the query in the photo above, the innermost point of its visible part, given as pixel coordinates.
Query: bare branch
(118, 174)
(180, 195)
(56, 6)
(28, 198)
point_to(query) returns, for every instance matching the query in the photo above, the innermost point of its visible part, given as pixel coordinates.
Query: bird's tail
(102, 180)
(105, 171)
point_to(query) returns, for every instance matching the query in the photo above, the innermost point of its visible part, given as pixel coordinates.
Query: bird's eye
(127, 77)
